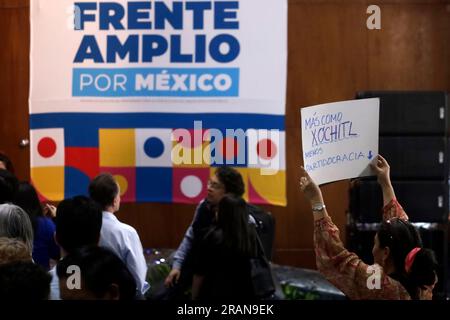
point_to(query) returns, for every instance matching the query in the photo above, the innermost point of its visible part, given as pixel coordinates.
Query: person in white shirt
(121, 238)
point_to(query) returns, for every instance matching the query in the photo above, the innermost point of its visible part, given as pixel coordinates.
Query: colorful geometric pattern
(153, 147)
(157, 108)
(190, 184)
(47, 147)
(189, 149)
(156, 164)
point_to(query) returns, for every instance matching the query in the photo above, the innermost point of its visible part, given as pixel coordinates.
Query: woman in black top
(222, 257)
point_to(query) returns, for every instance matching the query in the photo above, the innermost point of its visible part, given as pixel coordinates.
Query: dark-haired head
(26, 197)
(24, 280)
(78, 223)
(422, 273)
(8, 186)
(396, 238)
(231, 179)
(104, 190)
(233, 220)
(103, 276)
(393, 242)
(6, 163)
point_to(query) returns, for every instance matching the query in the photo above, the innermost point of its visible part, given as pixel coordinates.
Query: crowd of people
(80, 250)
(40, 244)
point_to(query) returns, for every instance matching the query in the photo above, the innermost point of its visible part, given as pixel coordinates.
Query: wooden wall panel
(327, 62)
(331, 55)
(412, 50)
(8, 4)
(14, 69)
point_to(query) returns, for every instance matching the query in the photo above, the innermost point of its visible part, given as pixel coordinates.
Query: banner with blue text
(340, 139)
(158, 93)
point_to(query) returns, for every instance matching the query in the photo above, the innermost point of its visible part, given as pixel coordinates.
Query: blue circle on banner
(153, 147)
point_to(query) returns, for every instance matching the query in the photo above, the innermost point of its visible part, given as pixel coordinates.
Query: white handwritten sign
(340, 139)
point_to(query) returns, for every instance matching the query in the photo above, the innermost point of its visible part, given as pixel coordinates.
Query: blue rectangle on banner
(155, 82)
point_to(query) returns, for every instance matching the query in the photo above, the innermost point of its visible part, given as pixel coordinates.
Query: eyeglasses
(214, 185)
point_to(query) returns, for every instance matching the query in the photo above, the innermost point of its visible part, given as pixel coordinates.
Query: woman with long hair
(44, 245)
(222, 270)
(403, 269)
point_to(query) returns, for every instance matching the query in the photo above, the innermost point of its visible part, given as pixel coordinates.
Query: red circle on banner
(229, 148)
(266, 149)
(46, 147)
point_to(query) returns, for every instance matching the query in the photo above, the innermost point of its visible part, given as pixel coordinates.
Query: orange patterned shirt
(347, 271)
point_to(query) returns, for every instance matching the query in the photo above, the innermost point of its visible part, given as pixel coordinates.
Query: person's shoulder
(126, 228)
(254, 208)
(203, 211)
(259, 214)
(119, 234)
(115, 227)
(203, 205)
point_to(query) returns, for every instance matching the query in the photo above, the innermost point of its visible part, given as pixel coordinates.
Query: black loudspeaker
(423, 201)
(415, 157)
(415, 113)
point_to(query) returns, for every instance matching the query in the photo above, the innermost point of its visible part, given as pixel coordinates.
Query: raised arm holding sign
(403, 269)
